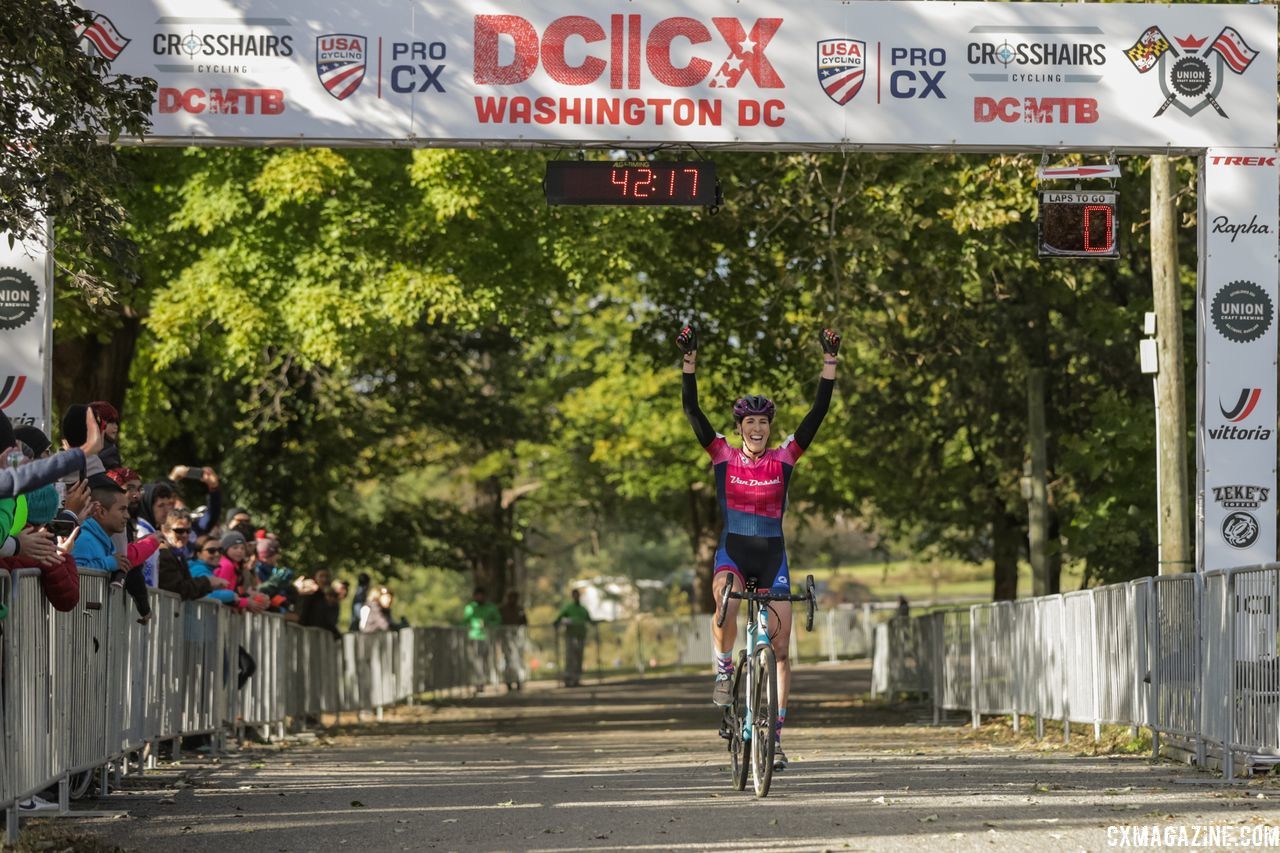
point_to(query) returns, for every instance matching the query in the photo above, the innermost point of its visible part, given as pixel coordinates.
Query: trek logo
(100, 36)
(627, 51)
(267, 102)
(1223, 225)
(842, 67)
(738, 481)
(1241, 497)
(1193, 79)
(1036, 110)
(11, 390)
(922, 76)
(1244, 406)
(1219, 160)
(340, 63)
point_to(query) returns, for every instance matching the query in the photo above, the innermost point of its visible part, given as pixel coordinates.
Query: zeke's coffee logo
(1191, 78)
(19, 298)
(1240, 528)
(1241, 312)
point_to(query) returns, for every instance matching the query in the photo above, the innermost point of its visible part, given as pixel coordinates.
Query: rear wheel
(811, 592)
(764, 719)
(738, 748)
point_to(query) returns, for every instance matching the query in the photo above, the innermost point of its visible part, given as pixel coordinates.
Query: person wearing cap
(274, 579)
(33, 475)
(33, 438)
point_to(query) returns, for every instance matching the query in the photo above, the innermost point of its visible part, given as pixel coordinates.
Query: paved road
(636, 765)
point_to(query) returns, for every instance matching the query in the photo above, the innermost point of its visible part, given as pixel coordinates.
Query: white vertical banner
(1236, 347)
(26, 332)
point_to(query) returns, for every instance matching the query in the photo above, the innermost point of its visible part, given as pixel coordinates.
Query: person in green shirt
(478, 616)
(574, 618)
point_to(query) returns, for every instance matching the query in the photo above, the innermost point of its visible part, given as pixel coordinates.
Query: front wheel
(764, 720)
(738, 745)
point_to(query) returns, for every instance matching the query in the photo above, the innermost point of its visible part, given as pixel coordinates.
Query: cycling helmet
(756, 404)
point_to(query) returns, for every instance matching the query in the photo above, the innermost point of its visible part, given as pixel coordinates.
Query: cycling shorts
(763, 558)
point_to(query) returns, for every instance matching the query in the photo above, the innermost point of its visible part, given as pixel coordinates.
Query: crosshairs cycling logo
(1190, 78)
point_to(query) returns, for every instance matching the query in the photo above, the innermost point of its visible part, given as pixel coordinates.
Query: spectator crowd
(83, 507)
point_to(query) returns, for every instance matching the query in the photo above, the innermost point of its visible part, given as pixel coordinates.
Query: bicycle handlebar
(767, 595)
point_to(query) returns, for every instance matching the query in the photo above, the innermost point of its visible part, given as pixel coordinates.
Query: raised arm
(687, 340)
(808, 428)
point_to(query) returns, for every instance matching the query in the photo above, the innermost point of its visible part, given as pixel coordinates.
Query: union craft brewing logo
(1241, 312)
(842, 66)
(1193, 79)
(19, 298)
(340, 63)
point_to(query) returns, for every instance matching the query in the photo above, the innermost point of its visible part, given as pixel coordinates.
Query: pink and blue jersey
(753, 492)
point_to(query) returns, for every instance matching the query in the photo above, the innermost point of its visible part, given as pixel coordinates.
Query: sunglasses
(211, 550)
(181, 531)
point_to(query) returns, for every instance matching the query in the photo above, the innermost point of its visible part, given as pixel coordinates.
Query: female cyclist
(751, 487)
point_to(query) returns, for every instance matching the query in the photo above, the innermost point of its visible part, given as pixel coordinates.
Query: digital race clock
(1078, 224)
(631, 182)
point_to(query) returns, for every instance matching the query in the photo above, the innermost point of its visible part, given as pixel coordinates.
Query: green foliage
(58, 103)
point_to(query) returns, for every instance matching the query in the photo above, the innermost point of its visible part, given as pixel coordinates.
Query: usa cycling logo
(842, 68)
(340, 63)
(11, 390)
(1243, 407)
(1190, 78)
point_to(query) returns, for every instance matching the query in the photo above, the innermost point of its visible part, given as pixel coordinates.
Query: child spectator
(207, 553)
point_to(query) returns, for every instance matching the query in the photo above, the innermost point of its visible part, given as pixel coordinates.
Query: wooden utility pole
(1036, 485)
(1174, 498)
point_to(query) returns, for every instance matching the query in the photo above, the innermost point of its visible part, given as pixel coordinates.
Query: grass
(921, 580)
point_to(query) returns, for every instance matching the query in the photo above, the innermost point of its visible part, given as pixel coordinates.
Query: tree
(59, 103)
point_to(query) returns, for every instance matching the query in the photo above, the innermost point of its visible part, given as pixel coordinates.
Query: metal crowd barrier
(1195, 658)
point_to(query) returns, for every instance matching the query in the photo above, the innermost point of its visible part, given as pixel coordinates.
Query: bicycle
(748, 723)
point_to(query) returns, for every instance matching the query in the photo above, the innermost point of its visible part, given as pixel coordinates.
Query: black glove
(830, 342)
(687, 340)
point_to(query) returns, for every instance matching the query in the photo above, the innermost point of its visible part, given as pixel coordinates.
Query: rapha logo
(11, 390)
(1223, 225)
(1193, 79)
(1244, 405)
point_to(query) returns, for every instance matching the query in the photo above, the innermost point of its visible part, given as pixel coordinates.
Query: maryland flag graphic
(1147, 50)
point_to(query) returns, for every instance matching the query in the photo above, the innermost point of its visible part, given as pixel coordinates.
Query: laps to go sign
(1078, 224)
(630, 183)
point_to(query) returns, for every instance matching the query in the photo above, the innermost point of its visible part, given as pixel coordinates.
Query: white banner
(1236, 328)
(26, 333)
(804, 73)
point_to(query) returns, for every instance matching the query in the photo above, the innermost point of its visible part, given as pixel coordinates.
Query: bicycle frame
(757, 635)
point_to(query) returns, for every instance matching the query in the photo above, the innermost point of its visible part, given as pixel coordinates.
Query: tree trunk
(491, 561)
(1037, 483)
(1006, 545)
(703, 530)
(86, 369)
(1174, 524)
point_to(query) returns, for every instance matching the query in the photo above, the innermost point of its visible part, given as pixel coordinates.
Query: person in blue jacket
(95, 549)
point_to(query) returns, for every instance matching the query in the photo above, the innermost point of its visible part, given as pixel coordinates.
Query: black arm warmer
(701, 426)
(808, 428)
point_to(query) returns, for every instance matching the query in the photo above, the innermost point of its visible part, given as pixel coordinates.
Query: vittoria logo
(1241, 311)
(19, 298)
(100, 36)
(11, 390)
(1190, 78)
(1244, 405)
(340, 63)
(1240, 529)
(842, 67)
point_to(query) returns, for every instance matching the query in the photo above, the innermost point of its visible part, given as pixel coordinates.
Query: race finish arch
(768, 75)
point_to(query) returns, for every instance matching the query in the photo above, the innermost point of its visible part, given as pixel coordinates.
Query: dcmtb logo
(629, 52)
(11, 390)
(1192, 80)
(100, 36)
(1244, 405)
